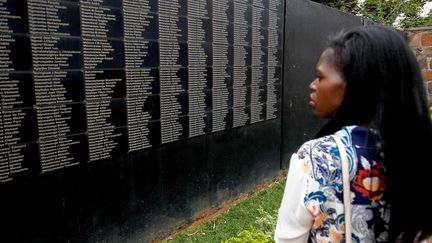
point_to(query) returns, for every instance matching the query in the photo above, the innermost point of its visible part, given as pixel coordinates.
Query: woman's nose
(312, 85)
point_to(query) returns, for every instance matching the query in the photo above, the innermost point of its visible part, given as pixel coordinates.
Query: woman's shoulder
(325, 148)
(317, 148)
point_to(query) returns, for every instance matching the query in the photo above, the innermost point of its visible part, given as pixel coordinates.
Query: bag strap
(346, 189)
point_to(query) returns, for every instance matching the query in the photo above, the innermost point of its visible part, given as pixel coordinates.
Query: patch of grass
(251, 235)
(254, 217)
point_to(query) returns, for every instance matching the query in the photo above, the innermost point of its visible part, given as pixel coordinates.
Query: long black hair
(384, 89)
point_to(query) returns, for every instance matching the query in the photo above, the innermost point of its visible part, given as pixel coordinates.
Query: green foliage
(266, 222)
(385, 11)
(258, 211)
(251, 235)
(349, 6)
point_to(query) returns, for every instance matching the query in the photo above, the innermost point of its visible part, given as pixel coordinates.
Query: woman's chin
(320, 114)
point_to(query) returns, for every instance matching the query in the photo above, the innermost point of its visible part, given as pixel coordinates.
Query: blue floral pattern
(324, 192)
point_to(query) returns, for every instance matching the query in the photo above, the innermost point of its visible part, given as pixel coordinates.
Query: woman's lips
(312, 103)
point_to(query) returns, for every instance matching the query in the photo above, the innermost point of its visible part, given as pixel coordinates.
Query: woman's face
(328, 88)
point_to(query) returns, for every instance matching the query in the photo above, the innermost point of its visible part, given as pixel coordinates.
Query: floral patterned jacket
(312, 205)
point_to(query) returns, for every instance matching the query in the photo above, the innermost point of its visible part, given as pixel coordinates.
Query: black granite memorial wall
(96, 80)
(120, 119)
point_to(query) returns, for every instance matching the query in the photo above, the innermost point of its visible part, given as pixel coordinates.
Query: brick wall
(420, 40)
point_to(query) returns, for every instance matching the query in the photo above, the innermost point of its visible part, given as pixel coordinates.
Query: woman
(369, 83)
